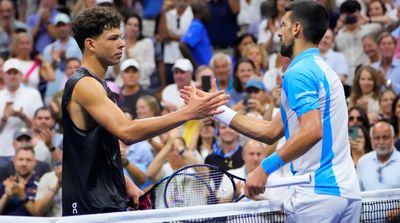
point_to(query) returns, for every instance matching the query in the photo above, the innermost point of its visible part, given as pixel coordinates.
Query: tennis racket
(203, 184)
(153, 198)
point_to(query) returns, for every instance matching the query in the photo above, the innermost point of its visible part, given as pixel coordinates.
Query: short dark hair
(91, 23)
(349, 6)
(312, 16)
(134, 15)
(44, 108)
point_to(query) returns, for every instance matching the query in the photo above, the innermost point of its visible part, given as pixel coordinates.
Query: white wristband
(226, 116)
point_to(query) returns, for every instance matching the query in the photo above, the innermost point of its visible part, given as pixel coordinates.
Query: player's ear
(296, 28)
(89, 44)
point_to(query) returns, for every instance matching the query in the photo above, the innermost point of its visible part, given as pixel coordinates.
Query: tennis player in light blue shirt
(314, 121)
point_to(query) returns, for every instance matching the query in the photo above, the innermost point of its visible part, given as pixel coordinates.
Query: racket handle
(287, 181)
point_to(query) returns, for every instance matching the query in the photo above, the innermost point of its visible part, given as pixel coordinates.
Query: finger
(218, 104)
(184, 97)
(213, 85)
(136, 201)
(213, 95)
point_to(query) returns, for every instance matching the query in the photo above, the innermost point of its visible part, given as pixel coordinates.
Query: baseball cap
(255, 84)
(22, 132)
(183, 64)
(98, 2)
(61, 17)
(12, 64)
(129, 63)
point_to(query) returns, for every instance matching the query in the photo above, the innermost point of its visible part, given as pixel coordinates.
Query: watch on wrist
(52, 149)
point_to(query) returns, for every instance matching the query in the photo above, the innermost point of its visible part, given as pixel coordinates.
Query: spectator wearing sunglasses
(358, 116)
(378, 170)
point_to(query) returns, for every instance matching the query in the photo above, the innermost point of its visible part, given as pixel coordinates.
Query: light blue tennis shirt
(308, 84)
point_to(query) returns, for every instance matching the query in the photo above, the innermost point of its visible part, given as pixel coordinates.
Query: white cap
(98, 2)
(183, 64)
(61, 17)
(12, 64)
(129, 63)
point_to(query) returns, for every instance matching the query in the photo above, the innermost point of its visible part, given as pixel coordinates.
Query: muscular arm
(308, 134)
(265, 131)
(95, 102)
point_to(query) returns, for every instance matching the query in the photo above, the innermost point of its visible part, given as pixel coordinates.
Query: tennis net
(378, 206)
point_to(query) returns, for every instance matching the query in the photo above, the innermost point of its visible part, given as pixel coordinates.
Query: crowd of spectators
(170, 44)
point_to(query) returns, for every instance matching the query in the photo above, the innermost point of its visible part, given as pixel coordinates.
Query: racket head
(199, 184)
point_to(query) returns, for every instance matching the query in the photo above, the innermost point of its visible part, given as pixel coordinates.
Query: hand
(9, 187)
(58, 172)
(133, 192)
(46, 135)
(255, 105)
(201, 104)
(255, 183)
(8, 109)
(55, 54)
(44, 15)
(356, 146)
(363, 103)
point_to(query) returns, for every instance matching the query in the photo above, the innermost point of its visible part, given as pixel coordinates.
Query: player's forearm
(260, 130)
(143, 129)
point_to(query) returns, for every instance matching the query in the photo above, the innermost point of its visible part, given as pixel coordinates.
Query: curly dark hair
(91, 23)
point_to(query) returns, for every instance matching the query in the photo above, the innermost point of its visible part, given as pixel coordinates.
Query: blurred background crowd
(170, 44)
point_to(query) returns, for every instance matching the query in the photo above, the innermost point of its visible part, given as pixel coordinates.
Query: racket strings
(197, 186)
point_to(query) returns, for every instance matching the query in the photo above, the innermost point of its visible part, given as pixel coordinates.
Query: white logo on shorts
(74, 206)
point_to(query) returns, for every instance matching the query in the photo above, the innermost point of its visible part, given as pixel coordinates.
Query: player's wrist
(226, 116)
(272, 163)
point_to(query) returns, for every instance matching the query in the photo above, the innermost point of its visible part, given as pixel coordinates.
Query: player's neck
(94, 66)
(300, 46)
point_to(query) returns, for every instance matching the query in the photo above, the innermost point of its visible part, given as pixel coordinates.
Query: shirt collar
(304, 54)
(395, 157)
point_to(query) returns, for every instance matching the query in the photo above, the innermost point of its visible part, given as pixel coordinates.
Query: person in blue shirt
(195, 44)
(313, 119)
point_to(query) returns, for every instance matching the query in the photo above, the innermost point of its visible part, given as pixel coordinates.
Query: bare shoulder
(87, 91)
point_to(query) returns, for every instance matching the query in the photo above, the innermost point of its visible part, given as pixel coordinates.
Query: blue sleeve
(302, 90)
(193, 35)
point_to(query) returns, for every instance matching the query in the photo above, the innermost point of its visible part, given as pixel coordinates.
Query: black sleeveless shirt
(92, 177)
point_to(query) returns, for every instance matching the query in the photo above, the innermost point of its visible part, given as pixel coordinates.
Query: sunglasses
(252, 90)
(352, 118)
(379, 171)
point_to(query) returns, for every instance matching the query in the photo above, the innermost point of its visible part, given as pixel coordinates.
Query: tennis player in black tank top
(93, 181)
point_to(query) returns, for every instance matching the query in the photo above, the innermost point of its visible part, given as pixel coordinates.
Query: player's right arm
(90, 96)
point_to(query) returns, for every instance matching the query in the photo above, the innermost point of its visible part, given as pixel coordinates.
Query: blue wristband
(272, 163)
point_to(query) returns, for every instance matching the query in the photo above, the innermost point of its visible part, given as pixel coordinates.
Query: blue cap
(255, 84)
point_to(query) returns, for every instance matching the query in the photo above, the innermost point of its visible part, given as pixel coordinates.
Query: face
(227, 135)
(256, 93)
(246, 42)
(181, 3)
(387, 47)
(90, 3)
(6, 11)
(132, 27)
(143, 110)
(43, 120)
(108, 47)
(366, 82)
(21, 141)
(370, 47)
(354, 118)
(207, 131)
(63, 30)
(130, 77)
(382, 139)
(326, 42)
(24, 163)
(375, 9)
(386, 102)
(252, 155)
(255, 55)
(71, 67)
(182, 78)
(244, 72)
(221, 67)
(12, 78)
(23, 45)
(286, 36)
(173, 156)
